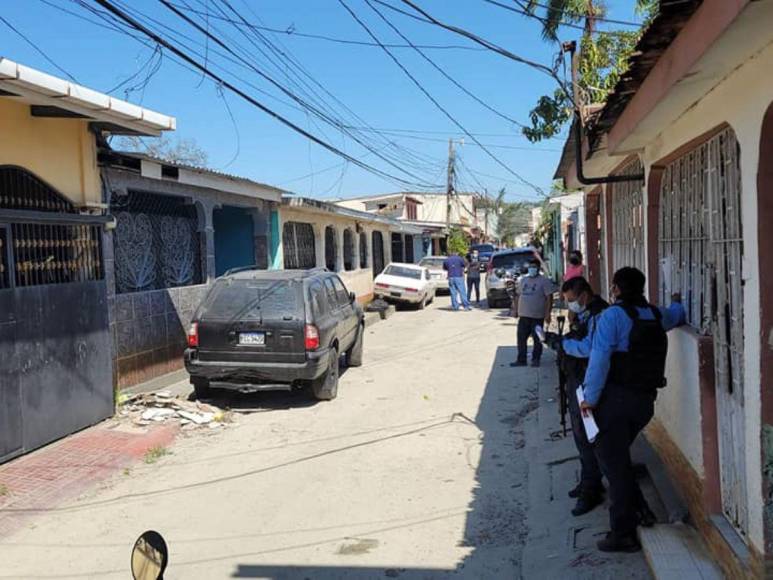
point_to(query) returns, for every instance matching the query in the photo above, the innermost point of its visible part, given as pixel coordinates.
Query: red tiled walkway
(65, 469)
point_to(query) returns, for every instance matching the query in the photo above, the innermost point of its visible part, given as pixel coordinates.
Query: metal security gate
(628, 219)
(701, 253)
(398, 254)
(298, 246)
(54, 335)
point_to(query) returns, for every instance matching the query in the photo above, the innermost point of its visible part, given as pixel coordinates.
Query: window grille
(363, 250)
(20, 189)
(348, 250)
(33, 254)
(157, 242)
(378, 253)
(299, 249)
(331, 249)
(627, 201)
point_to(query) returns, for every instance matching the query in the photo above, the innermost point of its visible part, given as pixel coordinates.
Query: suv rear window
(482, 247)
(232, 299)
(516, 259)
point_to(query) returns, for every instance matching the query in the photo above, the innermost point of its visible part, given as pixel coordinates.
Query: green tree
(457, 242)
(602, 59)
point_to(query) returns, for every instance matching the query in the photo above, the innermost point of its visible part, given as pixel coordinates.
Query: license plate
(438, 275)
(396, 294)
(252, 338)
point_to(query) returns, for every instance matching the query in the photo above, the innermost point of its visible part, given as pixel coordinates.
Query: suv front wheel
(325, 387)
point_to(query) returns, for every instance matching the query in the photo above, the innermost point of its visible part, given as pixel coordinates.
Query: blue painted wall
(234, 238)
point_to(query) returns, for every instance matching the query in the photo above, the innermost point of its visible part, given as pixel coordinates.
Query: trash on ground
(147, 408)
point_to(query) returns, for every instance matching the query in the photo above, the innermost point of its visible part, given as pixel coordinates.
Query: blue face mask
(533, 271)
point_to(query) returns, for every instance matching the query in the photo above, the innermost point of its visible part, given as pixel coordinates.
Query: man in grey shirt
(534, 302)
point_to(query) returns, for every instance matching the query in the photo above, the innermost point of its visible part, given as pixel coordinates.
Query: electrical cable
(37, 49)
(579, 15)
(291, 31)
(443, 72)
(435, 102)
(108, 5)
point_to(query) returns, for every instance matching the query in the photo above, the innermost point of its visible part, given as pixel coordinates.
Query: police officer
(625, 369)
(574, 350)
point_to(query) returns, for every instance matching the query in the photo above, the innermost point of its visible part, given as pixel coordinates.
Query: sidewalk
(46, 478)
(560, 545)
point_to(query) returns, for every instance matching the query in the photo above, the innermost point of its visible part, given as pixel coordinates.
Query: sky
(405, 133)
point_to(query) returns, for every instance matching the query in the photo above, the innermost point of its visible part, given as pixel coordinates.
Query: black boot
(574, 493)
(617, 543)
(646, 516)
(587, 502)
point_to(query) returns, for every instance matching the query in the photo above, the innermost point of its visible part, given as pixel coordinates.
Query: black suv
(274, 330)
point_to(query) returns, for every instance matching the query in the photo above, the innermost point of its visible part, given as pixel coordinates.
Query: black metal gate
(377, 250)
(397, 248)
(54, 335)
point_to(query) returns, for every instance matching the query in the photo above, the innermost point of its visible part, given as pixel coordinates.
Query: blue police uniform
(623, 404)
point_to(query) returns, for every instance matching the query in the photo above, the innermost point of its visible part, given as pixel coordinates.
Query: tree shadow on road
(495, 527)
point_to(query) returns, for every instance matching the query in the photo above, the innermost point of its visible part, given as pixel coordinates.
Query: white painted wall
(678, 406)
(741, 100)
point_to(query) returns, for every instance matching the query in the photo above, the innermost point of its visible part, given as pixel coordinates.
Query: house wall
(149, 328)
(740, 100)
(359, 280)
(61, 152)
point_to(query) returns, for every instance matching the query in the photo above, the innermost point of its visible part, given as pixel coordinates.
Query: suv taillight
(311, 337)
(193, 335)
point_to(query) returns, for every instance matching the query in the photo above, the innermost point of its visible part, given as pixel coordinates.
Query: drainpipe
(571, 48)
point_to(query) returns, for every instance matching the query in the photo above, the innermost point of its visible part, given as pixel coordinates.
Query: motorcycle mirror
(149, 557)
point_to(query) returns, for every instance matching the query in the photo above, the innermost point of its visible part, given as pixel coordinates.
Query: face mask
(533, 271)
(576, 307)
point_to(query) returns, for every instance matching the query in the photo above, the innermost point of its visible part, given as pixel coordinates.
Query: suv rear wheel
(201, 387)
(354, 354)
(325, 387)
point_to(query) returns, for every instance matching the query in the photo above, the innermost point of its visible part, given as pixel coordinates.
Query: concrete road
(415, 471)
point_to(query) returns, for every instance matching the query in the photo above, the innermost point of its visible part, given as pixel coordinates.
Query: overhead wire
(119, 13)
(432, 99)
(578, 14)
(37, 49)
(291, 31)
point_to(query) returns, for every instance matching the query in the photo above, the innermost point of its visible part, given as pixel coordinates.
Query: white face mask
(533, 271)
(576, 307)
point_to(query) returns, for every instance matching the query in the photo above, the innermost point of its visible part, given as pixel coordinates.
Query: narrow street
(417, 470)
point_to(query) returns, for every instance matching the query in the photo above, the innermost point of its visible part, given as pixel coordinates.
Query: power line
(37, 49)
(155, 37)
(291, 31)
(322, 115)
(443, 72)
(490, 145)
(433, 100)
(579, 15)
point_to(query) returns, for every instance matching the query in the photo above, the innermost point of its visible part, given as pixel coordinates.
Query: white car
(435, 266)
(408, 283)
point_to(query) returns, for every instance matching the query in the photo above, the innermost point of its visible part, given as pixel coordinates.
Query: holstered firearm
(563, 401)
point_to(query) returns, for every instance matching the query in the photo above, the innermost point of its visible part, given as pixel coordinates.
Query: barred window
(700, 213)
(331, 249)
(627, 201)
(300, 252)
(157, 242)
(363, 250)
(378, 252)
(33, 254)
(348, 250)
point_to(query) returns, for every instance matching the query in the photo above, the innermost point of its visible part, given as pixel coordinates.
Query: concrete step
(674, 504)
(676, 552)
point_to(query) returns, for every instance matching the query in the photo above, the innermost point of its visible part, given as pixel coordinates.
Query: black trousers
(473, 283)
(621, 414)
(590, 472)
(526, 328)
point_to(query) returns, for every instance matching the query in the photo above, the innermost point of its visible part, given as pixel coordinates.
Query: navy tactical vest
(643, 367)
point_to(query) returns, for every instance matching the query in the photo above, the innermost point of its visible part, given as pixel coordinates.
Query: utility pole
(450, 183)
(485, 213)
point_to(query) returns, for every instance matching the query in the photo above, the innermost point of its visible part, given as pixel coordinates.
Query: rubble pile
(147, 408)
